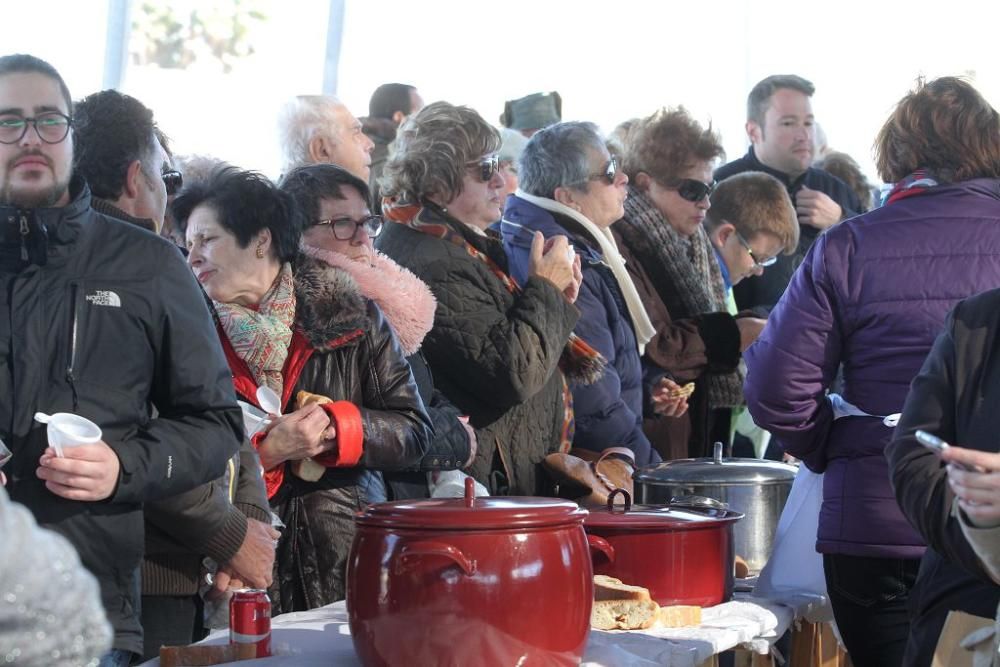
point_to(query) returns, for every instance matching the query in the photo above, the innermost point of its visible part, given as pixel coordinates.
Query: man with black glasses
(104, 320)
(781, 129)
(121, 153)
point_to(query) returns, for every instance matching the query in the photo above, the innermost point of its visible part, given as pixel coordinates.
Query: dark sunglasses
(609, 174)
(344, 229)
(488, 166)
(693, 190)
(173, 180)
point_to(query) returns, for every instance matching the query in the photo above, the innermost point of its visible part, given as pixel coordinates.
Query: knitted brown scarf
(686, 276)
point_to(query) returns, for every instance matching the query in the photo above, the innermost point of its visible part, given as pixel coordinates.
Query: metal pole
(334, 38)
(116, 43)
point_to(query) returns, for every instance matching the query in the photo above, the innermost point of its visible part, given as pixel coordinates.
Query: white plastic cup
(68, 430)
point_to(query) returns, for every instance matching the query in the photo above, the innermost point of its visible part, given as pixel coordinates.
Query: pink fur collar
(404, 299)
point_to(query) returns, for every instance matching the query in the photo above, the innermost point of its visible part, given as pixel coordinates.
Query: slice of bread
(741, 568)
(307, 469)
(304, 398)
(609, 588)
(623, 614)
(679, 616)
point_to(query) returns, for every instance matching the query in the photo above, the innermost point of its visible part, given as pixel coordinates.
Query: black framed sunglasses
(757, 264)
(693, 190)
(609, 174)
(345, 229)
(173, 180)
(488, 166)
(51, 126)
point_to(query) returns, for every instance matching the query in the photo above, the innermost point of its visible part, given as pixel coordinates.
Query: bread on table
(623, 614)
(679, 616)
(619, 606)
(741, 568)
(202, 656)
(609, 588)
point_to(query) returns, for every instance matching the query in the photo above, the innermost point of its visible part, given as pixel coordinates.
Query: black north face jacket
(103, 319)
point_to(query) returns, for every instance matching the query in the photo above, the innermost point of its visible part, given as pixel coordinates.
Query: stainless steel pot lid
(716, 471)
(688, 513)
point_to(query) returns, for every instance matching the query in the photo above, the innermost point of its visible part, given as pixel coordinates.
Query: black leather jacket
(355, 358)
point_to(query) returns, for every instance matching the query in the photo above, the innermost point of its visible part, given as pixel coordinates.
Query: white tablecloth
(322, 636)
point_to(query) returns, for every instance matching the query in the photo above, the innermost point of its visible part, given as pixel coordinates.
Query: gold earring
(260, 252)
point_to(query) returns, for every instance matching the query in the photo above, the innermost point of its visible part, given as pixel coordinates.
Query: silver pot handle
(698, 502)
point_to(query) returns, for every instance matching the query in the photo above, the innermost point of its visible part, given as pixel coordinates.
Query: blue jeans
(116, 658)
(371, 486)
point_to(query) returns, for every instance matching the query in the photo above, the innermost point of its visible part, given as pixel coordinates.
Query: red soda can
(250, 620)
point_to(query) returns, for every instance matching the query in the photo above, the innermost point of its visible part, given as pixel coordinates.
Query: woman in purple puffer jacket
(869, 298)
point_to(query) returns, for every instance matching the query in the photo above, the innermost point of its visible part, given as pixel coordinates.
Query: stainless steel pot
(755, 487)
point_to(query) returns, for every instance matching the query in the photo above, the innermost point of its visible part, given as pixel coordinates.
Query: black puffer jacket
(493, 354)
(106, 320)
(352, 356)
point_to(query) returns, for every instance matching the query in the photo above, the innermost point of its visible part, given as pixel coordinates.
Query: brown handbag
(588, 477)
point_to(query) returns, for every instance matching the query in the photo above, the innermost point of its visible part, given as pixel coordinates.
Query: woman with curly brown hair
(496, 347)
(669, 158)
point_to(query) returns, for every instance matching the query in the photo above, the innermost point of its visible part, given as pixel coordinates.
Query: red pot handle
(600, 544)
(424, 548)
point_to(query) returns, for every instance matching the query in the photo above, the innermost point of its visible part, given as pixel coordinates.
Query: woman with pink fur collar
(339, 231)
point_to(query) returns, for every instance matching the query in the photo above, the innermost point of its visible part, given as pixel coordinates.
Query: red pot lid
(629, 516)
(471, 513)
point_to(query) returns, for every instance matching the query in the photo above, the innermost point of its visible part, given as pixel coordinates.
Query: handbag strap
(616, 451)
(623, 452)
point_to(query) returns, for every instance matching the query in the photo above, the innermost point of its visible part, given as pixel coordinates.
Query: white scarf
(644, 330)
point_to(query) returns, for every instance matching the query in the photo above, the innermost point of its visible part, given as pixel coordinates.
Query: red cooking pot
(682, 553)
(470, 581)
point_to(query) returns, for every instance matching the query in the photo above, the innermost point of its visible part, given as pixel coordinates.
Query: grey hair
(299, 121)
(559, 156)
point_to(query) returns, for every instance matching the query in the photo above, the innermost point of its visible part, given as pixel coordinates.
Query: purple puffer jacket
(871, 295)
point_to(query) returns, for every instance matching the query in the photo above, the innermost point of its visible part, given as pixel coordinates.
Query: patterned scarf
(260, 336)
(579, 360)
(690, 282)
(915, 184)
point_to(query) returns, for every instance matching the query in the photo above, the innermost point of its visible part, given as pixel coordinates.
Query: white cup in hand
(65, 429)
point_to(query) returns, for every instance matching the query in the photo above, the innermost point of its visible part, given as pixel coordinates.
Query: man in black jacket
(781, 129)
(119, 152)
(101, 319)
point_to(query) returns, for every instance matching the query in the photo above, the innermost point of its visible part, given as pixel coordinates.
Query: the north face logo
(105, 298)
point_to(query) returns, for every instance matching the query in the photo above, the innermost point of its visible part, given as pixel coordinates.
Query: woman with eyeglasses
(295, 324)
(668, 157)
(571, 186)
(498, 347)
(340, 231)
(867, 303)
